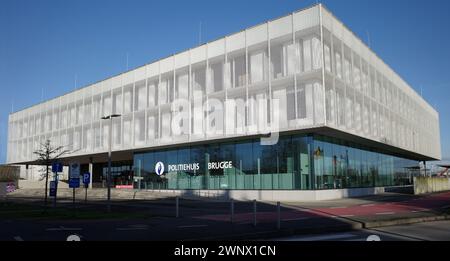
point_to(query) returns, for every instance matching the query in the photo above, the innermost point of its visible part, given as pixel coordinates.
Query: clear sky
(47, 48)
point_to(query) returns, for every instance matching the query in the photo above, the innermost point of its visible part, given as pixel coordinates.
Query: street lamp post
(109, 117)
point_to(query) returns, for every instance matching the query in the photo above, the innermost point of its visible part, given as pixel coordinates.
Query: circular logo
(73, 238)
(159, 168)
(373, 238)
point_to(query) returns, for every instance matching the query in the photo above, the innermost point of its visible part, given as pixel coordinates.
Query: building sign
(220, 165)
(184, 167)
(159, 167)
(124, 186)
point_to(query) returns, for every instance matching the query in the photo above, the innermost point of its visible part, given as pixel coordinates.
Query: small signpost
(52, 189)
(74, 179)
(56, 168)
(86, 181)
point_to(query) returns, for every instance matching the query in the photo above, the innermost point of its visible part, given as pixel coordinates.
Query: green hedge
(9, 176)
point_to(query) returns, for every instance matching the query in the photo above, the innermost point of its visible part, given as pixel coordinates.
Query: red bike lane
(434, 202)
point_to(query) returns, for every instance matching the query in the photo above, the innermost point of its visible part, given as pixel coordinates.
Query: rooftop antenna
(421, 91)
(200, 33)
(127, 61)
(12, 105)
(42, 94)
(75, 83)
(368, 38)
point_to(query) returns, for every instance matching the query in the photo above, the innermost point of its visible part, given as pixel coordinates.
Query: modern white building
(345, 119)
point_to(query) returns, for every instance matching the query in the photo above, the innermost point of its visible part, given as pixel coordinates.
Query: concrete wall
(423, 185)
(36, 184)
(278, 195)
(35, 172)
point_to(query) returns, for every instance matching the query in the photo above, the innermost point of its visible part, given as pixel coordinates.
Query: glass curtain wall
(296, 162)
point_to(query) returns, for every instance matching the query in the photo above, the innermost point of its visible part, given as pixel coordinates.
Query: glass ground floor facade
(296, 162)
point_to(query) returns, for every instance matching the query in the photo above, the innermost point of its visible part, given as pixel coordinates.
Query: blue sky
(46, 45)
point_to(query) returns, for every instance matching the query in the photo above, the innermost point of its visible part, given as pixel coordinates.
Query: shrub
(9, 177)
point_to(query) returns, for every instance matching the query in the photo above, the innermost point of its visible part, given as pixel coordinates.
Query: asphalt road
(206, 220)
(129, 230)
(429, 231)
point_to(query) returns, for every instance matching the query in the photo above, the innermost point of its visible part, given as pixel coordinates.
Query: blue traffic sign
(74, 183)
(86, 178)
(57, 167)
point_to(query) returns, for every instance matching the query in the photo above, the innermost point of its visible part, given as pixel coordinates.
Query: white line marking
(294, 219)
(385, 213)
(139, 226)
(347, 215)
(61, 228)
(368, 205)
(357, 239)
(192, 226)
(324, 237)
(420, 210)
(130, 228)
(18, 238)
(337, 207)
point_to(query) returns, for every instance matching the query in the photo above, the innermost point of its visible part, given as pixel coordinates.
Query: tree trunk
(46, 184)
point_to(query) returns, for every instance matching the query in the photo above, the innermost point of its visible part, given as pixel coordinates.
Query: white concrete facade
(322, 74)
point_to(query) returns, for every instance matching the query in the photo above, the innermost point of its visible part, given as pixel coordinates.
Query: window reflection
(296, 162)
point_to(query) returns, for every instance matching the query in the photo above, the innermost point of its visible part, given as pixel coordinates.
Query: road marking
(139, 226)
(347, 215)
(385, 213)
(337, 207)
(18, 238)
(294, 219)
(357, 239)
(419, 210)
(325, 237)
(192, 226)
(61, 228)
(368, 205)
(131, 228)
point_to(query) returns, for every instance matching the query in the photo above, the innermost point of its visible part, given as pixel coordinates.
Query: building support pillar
(425, 168)
(27, 171)
(91, 171)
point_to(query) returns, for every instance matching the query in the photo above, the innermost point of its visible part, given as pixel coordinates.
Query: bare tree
(46, 155)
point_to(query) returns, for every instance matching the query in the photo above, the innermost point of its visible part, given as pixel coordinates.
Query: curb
(265, 235)
(404, 221)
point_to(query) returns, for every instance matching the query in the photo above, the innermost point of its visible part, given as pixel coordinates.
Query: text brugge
(196, 166)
